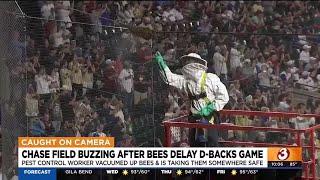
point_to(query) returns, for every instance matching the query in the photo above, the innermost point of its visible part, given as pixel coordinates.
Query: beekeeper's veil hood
(193, 66)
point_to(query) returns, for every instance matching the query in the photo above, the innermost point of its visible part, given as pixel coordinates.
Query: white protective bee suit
(205, 90)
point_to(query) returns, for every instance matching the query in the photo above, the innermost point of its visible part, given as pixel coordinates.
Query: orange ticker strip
(74, 142)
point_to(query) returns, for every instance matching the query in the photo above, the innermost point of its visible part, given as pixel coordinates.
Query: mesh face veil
(193, 71)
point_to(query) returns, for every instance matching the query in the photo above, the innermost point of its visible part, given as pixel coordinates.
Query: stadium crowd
(85, 79)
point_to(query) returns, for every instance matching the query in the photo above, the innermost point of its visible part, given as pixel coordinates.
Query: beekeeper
(208, 95)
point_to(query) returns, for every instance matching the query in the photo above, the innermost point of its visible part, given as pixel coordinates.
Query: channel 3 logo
(283, 154)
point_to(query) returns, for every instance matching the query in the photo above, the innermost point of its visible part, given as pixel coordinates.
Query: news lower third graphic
(55, 158)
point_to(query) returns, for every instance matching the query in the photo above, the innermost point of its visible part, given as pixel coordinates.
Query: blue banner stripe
(37, 174)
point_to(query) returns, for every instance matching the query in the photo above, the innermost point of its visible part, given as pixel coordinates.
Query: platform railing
(309, 165)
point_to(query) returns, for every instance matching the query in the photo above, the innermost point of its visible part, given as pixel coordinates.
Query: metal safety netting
(84, 68)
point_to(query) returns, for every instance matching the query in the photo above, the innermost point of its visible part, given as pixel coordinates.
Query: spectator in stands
(126, 84)
(56, 113)
(283, 104)
(247, 69)
(310, 106)
(76, 74)
(274, 63)
(238, 89)
(118, 63)
(306, 82)
(272, 136)
(87, 78)
(65, 33)
(105, 111)
(127, 141)
(260, 99)
(88, 126)
(67, 130)
(117, 131)
(33, 66)
(141, 86)
(238, 75)
(79, 33)
(43, 82)
(145, 53)
(241, 120)
(235, 57)
(47, 10)
(37, 127)
(264, 76)
(129, 126)
(173, 105)
(32, 104)
(205, 25)
(65, 74)
(82, 108)
(62, 9)
(251, 104)
(95, 19)
(127, 14)
(219, 60)
(46, 119)
(51, 60)
(106, 16)
(54, 79)
(304, 58)
(312, 65)
(110, 77)
(116, 107)
(67, 103)
(202, 50)
(170, 53)
(56, 36)
(98, 132)
(302, 122)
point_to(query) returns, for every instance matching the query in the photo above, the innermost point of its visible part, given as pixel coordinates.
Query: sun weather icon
(125, 172)
(179, 172)
(234, 172)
